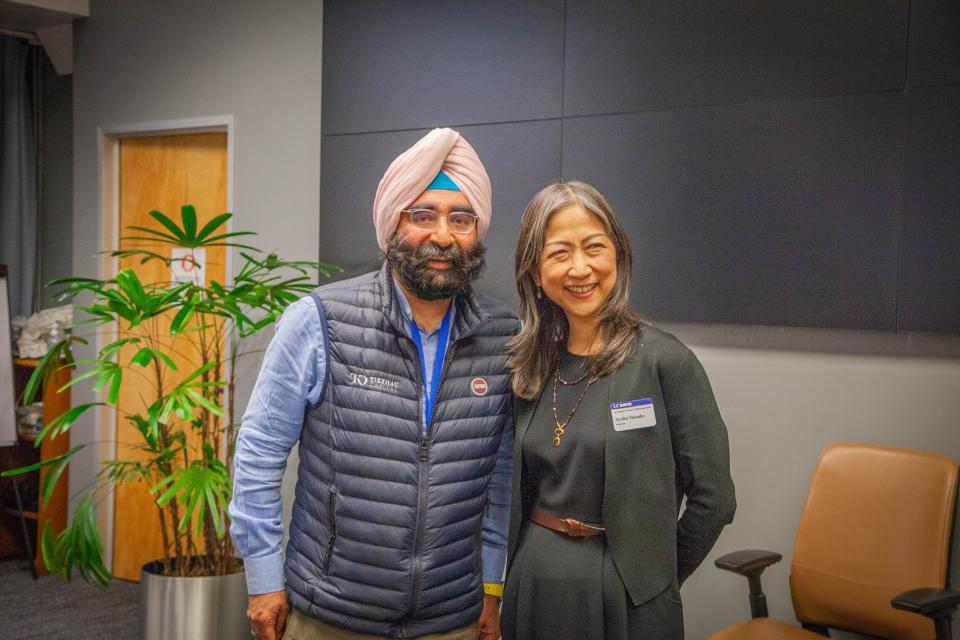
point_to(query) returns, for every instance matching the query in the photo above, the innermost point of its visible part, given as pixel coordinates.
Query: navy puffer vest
(385, 536)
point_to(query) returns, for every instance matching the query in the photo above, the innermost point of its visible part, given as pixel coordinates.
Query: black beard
(409, 265)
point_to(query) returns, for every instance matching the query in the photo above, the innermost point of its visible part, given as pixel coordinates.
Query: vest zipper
(331, 512)
(418, 535)
(421, 499)
(421, 487)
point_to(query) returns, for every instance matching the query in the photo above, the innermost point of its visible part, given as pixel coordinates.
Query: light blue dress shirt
(291, 380)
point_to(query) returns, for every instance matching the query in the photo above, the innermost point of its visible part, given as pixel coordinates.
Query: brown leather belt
(566, 526)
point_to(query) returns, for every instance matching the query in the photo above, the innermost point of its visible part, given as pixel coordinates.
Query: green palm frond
(55, 466)
(202, 487)
(76, 547)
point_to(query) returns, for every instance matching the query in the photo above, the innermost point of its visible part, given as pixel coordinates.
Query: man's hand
(488, 626)
(267, 613)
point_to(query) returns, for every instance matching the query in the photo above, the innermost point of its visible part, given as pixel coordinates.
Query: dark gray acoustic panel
(934, 43)
(778, 213)
(642, 56)
(520, 157)
(852, 46)
(756, 150)
(391, 65)
(930, 263)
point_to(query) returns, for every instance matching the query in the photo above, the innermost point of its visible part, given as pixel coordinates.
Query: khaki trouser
(300, 626)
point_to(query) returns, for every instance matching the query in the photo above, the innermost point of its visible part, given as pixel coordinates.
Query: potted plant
(187, 426)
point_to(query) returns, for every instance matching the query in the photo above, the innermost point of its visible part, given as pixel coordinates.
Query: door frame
(108, 204)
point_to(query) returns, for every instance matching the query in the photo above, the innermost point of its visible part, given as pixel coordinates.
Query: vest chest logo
(363, 380)
(479, 387)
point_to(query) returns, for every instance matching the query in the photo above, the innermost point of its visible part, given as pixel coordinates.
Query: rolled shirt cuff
(264, 574)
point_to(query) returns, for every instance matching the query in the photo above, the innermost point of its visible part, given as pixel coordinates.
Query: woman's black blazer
(648, 471)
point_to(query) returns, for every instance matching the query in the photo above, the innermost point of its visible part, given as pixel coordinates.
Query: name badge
(633, 414)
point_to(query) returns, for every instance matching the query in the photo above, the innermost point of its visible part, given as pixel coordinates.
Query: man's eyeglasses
(458, 222)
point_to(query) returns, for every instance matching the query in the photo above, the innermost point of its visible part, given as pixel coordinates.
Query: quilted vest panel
(385, 535)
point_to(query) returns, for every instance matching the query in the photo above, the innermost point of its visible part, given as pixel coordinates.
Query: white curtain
(18, 174)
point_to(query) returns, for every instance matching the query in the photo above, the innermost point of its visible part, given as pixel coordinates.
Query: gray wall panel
(520, 158)
(642, 56)
(770, 213)
(760, 144)
(852, 46)
(845, 228)
(403, 65)
(934, 42)
(930, 266)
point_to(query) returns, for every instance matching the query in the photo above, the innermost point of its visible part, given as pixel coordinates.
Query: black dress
(560, 587)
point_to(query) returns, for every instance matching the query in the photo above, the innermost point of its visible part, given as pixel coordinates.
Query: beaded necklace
(560, 427)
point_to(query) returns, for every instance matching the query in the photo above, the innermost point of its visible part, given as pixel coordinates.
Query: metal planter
(195, 608)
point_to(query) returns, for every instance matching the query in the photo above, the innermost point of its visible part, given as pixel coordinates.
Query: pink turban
(408, 176)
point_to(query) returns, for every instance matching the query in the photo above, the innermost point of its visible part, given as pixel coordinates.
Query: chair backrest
(877, 522)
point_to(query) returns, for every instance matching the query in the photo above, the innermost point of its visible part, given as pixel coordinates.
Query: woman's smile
(581, 291)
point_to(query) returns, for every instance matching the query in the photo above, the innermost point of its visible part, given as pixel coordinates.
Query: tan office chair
(872, 550)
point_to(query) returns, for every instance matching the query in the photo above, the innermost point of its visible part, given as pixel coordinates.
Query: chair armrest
(748, 562)
(751, 563)
(927, 602)
(936, 604)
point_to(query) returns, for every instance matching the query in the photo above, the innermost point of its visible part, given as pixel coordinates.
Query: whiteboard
(8, 418)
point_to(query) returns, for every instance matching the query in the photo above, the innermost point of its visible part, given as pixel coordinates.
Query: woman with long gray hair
(616, 424)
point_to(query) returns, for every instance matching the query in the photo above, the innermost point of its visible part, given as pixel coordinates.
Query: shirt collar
(408, 312)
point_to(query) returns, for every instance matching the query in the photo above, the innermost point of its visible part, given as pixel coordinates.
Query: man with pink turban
(395, 386)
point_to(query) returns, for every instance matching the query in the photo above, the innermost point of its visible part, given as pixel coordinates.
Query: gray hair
(534, 351)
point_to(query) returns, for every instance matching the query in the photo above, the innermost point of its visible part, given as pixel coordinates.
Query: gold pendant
(558, 433)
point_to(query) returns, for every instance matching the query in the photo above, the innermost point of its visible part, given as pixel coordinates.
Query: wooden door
(160, 173)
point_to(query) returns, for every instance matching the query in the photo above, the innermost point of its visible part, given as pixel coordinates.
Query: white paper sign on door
(188, 265)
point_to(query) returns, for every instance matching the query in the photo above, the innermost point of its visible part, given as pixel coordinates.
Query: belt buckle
(574, 528)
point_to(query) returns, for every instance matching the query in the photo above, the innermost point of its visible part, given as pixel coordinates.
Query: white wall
(782, 405)
(138, 62)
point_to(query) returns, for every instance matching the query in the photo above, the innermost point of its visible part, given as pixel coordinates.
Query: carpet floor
(50, 608)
